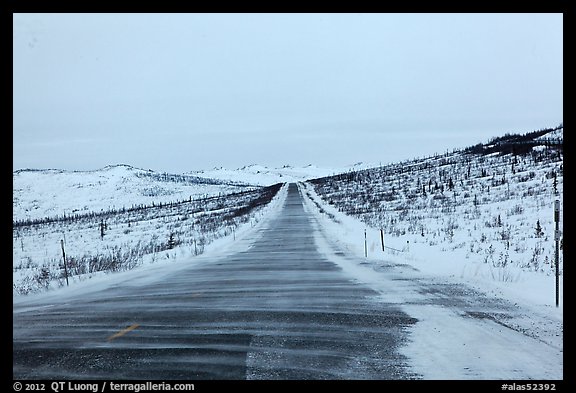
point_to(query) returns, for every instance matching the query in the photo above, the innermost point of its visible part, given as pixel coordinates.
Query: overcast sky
(181, 92)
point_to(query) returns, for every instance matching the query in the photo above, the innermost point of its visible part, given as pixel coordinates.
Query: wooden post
(382, 238)
(64, 258)
(365, 245)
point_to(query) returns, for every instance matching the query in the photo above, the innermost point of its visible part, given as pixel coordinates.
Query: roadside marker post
(64, 258)
(365, 245)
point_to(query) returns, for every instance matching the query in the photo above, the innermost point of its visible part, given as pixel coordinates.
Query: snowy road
(290, 307)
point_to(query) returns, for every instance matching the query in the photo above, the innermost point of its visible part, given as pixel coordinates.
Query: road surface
(281, 309)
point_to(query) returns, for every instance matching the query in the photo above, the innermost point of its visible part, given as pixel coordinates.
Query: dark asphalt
(277, 311)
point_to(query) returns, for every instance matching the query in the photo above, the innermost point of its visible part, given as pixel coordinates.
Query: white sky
(181, 92)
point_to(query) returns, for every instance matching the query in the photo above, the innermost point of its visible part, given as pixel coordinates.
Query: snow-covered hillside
(53, 192)
(264, 176)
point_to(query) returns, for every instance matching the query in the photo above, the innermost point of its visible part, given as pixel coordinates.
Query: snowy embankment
(532, 288)
(169, 236)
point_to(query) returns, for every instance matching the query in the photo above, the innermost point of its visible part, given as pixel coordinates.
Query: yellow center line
(123, 332)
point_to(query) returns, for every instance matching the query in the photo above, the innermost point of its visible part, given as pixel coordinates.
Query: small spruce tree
(539, 231)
